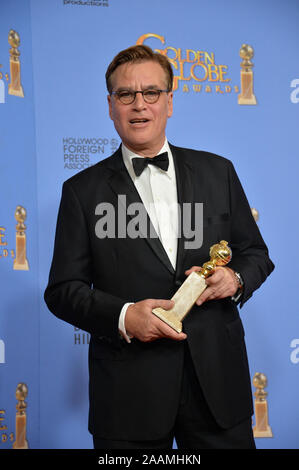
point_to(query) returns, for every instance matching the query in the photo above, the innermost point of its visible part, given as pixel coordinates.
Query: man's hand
(222, 283)
(142, 324)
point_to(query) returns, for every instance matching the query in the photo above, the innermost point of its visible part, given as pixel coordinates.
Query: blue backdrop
(61, 125)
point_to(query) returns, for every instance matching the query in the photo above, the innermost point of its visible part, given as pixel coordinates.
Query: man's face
(141, 126)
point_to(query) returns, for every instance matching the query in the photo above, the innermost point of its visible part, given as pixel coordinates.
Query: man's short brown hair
(140, 53)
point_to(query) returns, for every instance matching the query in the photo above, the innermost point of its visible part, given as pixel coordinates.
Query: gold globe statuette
(20, 262)
(14, 87)
(21, 417)
(193, 287)
(261, 428)
(246, 96)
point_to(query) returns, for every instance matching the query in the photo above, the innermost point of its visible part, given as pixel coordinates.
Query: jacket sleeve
(250, 253)
(70, 294)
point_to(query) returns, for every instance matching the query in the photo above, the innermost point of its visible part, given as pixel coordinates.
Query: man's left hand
(222, 283)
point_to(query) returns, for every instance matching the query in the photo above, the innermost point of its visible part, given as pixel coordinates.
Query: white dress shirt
(158, 192)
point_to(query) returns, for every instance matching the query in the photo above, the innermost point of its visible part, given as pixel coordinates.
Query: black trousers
(195, 427)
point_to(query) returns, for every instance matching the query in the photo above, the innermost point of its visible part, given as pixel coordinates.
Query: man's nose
(139, 102)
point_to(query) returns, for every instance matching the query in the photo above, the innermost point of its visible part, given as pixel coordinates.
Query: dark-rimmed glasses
(128, 96)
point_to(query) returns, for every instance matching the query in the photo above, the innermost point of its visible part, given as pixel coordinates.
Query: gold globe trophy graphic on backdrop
(20, 262)
(193, 287)
(261, 428)
(21, 417)
(14, 87)
(246, 96)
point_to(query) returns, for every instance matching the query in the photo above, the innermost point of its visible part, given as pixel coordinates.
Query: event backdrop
(54, 123)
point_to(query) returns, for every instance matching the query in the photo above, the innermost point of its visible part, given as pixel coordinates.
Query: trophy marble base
(21, 266)
(15, 88)
(246, 96)
(20, 262)
(242, 100)
(262, 428)
(21, 441)
(266, 433)
(12, 91)
(25, 446)
(184, 299)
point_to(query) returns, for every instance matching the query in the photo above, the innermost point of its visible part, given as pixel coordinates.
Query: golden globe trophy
(14, 87)
(246, 96)
(261, 428)
(193, 287)
(20, 262)
(21, 394)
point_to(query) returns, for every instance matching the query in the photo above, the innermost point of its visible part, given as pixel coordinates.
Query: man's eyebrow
(124, 89)
(152, 87)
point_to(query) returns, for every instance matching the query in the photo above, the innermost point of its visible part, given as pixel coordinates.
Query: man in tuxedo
(148, 383)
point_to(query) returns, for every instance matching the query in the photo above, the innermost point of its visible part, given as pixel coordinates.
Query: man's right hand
(142, 324)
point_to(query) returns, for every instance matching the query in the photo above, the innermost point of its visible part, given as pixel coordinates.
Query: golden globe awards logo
(198, 71)
(19, 438)
(261, 428)
(5, 435)
(5, 251)
(14, 78)
(19, 253)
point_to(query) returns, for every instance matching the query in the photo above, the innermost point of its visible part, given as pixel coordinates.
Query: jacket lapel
(185, 192)
(122, 184)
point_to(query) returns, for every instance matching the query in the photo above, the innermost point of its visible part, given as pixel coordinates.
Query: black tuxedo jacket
(134, 388)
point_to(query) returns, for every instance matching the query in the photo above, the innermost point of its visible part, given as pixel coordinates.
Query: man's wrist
(240, 285)
(239, 279)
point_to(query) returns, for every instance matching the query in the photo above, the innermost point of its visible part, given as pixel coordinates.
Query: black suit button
(178, 283)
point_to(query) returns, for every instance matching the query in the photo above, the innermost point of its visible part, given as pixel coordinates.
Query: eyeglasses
(128, 97)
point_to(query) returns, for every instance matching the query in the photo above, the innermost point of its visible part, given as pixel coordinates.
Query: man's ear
(110, 106)
(170, 104)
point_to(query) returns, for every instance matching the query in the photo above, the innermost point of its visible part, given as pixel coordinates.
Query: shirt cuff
(121, 322)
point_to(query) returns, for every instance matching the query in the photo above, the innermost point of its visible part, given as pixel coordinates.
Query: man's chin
(144, 145)
(137, 144)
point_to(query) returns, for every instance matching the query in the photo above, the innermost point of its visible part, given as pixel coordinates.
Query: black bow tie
(160, 160)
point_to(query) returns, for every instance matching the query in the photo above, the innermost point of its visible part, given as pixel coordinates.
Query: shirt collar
(128, 155)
